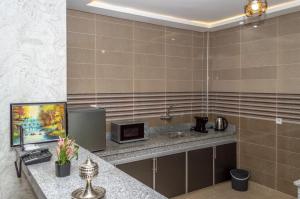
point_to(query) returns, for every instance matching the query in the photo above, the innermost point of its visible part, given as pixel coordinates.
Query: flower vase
(62, 170)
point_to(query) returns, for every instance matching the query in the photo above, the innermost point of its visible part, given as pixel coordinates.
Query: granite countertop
(297, 183)
(162, 143)
(117, 183)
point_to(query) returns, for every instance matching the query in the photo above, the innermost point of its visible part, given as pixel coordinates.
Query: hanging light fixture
(256, 8)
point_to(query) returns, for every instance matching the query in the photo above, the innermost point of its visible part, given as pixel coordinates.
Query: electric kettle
(221, 124)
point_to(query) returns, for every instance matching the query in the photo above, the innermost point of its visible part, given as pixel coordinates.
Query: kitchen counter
(117, 183)
(164, 143)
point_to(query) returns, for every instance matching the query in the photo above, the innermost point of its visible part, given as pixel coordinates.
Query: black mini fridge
(88, 127)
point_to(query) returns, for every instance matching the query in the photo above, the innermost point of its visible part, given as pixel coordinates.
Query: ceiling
(191, 14)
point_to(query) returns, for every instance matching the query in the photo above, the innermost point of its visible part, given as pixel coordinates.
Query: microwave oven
(127, 131)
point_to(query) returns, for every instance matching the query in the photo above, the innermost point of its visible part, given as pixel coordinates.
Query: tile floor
(224, 191)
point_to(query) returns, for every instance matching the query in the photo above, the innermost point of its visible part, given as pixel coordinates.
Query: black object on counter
(200, 124)
(239, 179)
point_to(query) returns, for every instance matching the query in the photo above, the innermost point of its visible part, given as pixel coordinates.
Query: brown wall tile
(113, 44)
(81, 25)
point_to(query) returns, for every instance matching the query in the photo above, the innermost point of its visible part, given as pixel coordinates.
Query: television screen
(41, 122)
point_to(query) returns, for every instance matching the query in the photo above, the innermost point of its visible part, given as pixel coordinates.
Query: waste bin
(239, 179)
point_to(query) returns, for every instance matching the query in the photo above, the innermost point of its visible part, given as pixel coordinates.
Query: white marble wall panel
(32, 69)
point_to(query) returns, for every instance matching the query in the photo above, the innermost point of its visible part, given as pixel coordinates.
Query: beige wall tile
(174, 74)
(199, 74)
(199, 53)
(286, 176)
(288, 71)
(225, 62)
(149, 60)
(289, 42)
(258, 85)
(113, 20)
(258, 46)
(179, 31)
(151, 35)
(114, 86)
(77, 86)
(81, 25)
(179, 86)
(174, 38)
(199, 41)
(115, 58)
(179, 62)
(289, 57)
(149, 73)
(78, 55)
(258, 151)
(265, 72)
(181, 51)
(289, 24)
(113, 44)
(139, 24)
(76, 70)
(79, 40)
(199, 86)
(289, 130)
(224, 86)
(288, 86)
(114, 72)
(149, 86)
(289, 144)
(249, 33)
(261, 59)
(288, 158)
(149, 47)
(225, 38)
(114, 30)
(228, 74)
(257, 164)
(225, 51)
(76, 13)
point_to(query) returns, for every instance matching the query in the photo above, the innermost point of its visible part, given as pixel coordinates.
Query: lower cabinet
(141, 170)
(170, 175)
(225, 160)
(200, 169)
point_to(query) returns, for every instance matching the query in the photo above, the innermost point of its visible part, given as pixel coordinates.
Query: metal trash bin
(239, 179)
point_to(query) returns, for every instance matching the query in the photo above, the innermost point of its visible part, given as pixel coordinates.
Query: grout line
(276, 100)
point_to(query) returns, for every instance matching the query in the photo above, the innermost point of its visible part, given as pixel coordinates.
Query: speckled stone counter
(162, 143)
(297, 183)
(117, 183)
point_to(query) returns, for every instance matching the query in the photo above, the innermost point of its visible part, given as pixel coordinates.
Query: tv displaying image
(41, 122)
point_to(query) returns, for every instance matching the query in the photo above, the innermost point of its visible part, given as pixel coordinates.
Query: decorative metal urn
(87, 171)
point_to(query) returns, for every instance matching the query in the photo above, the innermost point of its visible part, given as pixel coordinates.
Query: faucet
(167, 115)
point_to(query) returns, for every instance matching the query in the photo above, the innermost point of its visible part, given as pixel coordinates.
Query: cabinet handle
(215, 153)
(156, 169)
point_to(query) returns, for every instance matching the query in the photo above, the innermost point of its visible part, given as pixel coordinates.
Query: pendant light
(256, 8)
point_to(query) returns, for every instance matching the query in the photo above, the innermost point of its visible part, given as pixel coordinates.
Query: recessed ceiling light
(241, 22)
(255, 26)
(173, 39)
(103, 51)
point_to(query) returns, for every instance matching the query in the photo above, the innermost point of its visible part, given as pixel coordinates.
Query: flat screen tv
(41, 122)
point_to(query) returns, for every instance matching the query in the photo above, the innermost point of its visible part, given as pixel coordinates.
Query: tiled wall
(134, 69)
(254, 78)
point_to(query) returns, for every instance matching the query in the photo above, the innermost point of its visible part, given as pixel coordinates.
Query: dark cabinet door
(200, 169)
(170, 175)
(225, 160)
(141, 170)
